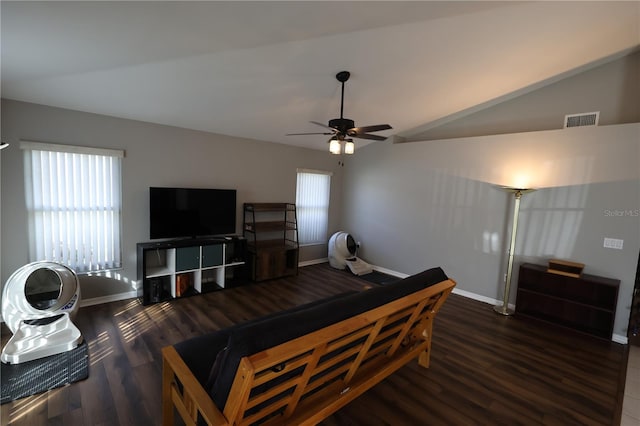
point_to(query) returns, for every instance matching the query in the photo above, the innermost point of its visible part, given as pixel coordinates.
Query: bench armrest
(180, 389)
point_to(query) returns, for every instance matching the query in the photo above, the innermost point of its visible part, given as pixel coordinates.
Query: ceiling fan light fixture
(349, 147)
(342, 128)
(334, 146)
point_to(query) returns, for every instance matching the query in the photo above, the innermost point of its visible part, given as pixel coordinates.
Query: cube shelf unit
(586, 303)
(173, 269)
(271, 230)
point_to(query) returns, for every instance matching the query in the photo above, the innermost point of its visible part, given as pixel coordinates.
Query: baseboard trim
(619, 338)
(108, 299)
(389, 271)
(480, 298)
(312, 262)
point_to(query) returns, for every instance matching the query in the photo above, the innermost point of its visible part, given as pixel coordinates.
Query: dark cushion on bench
(203, 354)
(199, 353)
(250, 338)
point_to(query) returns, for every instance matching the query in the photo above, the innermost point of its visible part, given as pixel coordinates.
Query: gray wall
(423, 204)
(155, 156)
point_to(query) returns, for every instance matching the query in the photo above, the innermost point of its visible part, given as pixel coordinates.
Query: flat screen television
(191, 212)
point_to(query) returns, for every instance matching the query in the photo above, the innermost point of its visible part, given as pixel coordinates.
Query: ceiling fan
(343, 129)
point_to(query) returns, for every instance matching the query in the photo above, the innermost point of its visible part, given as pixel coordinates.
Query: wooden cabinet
(172, 269)
(271, 230)
(586, 304)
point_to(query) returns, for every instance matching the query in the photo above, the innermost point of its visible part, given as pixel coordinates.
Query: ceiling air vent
(582, 119)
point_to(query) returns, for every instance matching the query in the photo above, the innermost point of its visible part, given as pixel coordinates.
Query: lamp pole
(504, 308)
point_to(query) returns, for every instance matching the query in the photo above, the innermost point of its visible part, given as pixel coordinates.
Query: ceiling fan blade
(298, 134)
(368, 136)
(369, 129)
(324, 125)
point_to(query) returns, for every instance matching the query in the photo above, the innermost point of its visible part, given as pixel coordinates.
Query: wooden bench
(306, 379)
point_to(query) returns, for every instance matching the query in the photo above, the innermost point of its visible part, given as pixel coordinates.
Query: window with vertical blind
(74, 205)
(312, 205)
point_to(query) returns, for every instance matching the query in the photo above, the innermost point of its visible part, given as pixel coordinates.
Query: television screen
(191, 212)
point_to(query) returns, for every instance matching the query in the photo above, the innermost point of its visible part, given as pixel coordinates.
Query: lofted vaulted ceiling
(262, 69)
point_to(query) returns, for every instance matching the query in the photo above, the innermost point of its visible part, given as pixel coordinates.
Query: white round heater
(342, 246)
(38, 303)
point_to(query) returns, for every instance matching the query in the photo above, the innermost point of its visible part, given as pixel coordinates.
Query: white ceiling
(263, 69)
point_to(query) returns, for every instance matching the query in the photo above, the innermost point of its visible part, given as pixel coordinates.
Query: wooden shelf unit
(271, 230)
(586, 304)
(179, 268)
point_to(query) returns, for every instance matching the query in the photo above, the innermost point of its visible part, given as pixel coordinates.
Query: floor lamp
(517, 192)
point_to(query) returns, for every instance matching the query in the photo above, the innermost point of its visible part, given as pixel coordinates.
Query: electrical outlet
(613, 243)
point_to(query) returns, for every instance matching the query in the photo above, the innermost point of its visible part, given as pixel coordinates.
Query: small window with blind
(74, 205)
(312, 205)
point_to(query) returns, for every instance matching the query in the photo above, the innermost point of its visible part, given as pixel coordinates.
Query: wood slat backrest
(272, 384)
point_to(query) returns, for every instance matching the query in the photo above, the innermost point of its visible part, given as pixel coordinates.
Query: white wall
(423, 204)
(155, 156)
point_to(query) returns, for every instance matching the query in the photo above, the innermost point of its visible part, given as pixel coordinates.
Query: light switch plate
(613, 243)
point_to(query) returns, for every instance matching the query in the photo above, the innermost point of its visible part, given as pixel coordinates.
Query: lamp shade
(349, 147)
(334, 146)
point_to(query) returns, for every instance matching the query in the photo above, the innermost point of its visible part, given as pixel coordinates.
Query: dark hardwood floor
(485, 369)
